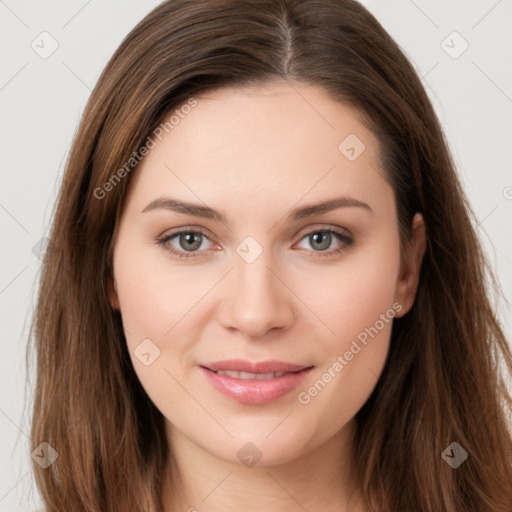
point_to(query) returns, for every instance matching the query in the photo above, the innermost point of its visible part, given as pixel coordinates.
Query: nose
(257, 298)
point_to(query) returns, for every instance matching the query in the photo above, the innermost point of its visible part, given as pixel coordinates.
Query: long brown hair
(442, 381)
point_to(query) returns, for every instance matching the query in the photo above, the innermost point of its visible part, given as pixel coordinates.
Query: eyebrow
(198, 210)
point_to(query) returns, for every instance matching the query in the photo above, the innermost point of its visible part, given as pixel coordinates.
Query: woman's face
(262, 271)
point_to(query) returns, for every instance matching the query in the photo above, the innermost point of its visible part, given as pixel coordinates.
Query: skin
(254, 154)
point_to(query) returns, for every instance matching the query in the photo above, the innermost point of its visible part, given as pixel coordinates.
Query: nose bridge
(257, 301)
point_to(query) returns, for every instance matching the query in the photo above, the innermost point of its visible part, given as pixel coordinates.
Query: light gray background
(42, 99)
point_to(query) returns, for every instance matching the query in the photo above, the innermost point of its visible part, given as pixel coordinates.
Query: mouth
(268, 381)
(256, 368)
(249, 375)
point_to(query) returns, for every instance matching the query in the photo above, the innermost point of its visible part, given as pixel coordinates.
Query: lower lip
(255, 391)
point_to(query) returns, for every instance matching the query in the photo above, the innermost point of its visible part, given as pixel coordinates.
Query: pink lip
(255, 391)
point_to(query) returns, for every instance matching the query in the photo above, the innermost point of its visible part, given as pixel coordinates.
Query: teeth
(249, 375)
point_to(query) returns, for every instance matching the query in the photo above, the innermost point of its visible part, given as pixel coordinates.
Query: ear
(112, 294)
(410, 266)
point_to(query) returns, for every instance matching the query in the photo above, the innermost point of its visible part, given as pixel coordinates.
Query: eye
(188, 242)
(322, 239)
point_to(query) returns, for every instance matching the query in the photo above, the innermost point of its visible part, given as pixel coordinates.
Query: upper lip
(240, 365)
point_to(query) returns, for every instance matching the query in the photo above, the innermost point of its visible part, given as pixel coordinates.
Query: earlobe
(112, 293)
(408, 279)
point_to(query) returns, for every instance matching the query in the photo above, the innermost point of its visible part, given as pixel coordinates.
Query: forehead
(278, 143)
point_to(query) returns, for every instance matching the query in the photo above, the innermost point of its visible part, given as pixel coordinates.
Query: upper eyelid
(344, 231)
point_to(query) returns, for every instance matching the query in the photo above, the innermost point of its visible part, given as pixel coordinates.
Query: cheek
(157, 307)
(359, 306)
(357, 292)
(153, 294)
(165, 304)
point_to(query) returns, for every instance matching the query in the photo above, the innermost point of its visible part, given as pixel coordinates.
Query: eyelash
(347, 242)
